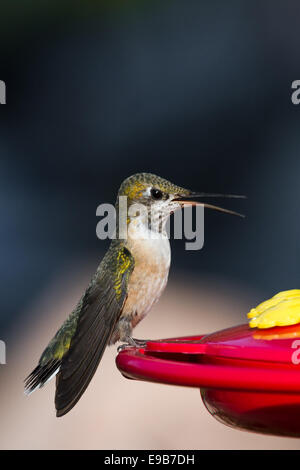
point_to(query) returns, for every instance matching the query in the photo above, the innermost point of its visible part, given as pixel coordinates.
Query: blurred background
(198, 92)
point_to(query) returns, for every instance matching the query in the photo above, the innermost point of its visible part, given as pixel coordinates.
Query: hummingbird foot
(132, 342)
(140, 343)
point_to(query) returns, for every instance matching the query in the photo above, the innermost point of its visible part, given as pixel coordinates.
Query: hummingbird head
(151, 199)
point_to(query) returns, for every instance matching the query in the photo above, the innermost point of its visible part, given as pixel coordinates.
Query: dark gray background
(196, 91)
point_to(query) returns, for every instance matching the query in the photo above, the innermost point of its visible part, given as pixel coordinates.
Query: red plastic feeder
(248, 378)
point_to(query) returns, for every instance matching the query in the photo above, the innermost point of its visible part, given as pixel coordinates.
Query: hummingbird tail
(41, 375)
(75, 352)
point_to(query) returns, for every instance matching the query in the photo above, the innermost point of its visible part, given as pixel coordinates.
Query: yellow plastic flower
(281, 310)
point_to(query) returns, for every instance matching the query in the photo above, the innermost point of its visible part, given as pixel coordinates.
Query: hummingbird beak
(189, 200)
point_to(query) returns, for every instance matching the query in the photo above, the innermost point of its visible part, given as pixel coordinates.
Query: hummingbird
(128, 282)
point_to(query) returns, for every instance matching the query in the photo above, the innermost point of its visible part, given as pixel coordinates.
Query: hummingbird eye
(156, 194)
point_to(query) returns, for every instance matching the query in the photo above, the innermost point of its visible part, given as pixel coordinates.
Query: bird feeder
(249, 378)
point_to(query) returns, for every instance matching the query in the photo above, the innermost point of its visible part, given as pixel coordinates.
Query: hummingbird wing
(92, 323)
(101, 308)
